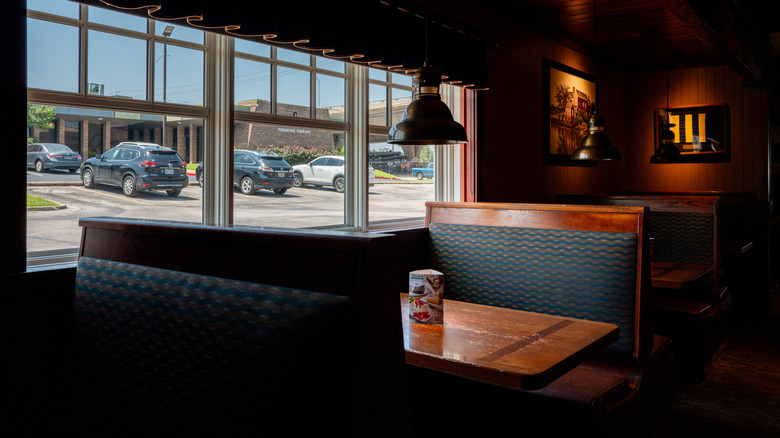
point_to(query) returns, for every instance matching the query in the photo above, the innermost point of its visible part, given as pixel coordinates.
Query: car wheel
(39, 166)
(72, 170)
(339, 184)
(419, 176)
(280, 191)
(87, 178)
(200, 179)
(173, 192)
(247, 186)
(297, 179)
(128, 186)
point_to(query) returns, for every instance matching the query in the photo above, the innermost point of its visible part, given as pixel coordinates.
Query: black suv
(253, 170)
(136, 166)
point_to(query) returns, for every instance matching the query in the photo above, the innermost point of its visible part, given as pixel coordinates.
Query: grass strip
(37, 201)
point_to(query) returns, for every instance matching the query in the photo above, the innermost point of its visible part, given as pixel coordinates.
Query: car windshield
(58, 148)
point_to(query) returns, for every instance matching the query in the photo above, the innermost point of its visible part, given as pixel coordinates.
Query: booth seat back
(578, 274)
(684, 228)
(683, 237)
(581, 263)
(177, 332)
(172, 352)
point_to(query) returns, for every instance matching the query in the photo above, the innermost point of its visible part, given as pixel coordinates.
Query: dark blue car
(48, 156)
(253, 170)
(136, 166)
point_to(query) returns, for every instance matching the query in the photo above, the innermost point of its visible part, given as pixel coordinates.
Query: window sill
(53, 259)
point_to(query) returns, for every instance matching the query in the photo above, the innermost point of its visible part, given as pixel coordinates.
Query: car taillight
(147, 163)
(54, 156)
(267, 169)
(183, 164)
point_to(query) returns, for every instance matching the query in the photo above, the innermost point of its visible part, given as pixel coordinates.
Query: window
(117, 19)
(252, 86)
(330, 97)
(292, 91)
(116, 65)
(389, 95)
(52, 56)
(178, 75)
(62, 8)
(145, 81)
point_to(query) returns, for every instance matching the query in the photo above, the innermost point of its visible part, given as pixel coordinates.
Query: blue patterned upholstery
(578, 274)
(682, 237)
(211, 356)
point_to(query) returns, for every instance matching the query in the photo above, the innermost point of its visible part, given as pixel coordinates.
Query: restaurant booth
(571, 311)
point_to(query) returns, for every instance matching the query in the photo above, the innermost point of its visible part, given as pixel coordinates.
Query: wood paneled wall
(513, 117)
(747, 171)
(511, 137)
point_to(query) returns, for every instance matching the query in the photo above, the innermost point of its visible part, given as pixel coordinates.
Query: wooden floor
(741, 395)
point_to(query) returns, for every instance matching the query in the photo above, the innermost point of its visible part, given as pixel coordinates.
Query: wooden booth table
(507, 347)
(677, 275)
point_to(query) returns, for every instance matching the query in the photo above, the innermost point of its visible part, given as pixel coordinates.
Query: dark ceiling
(656, 34)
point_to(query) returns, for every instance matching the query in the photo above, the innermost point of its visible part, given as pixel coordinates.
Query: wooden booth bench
(691, 302)
(189, 330)
(584, 262)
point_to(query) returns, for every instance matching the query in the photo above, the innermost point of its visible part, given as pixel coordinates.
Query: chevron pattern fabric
(180, 347)
(682, 237)
(577, 274)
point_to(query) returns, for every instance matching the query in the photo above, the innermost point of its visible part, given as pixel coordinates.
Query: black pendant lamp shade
(597, 145)
(427, 120)
(667, 152)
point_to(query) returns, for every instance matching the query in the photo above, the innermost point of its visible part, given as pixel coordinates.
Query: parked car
(423, 172)
(253, 170)
(47, 156)
(136, 166)
(327, 170)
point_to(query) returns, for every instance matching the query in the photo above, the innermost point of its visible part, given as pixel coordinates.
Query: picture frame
(569, 96)
(702, 133)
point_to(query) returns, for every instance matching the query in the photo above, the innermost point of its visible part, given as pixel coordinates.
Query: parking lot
(298, 208)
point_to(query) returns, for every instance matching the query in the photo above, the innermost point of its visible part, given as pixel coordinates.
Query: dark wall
(511, 164)
(35, 312)
(13, 231)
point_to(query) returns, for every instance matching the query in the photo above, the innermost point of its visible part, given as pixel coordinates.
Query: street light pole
(166, 33)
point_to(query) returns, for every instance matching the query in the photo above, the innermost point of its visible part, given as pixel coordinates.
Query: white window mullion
(218, 136)
(447, 158)
(356, 153)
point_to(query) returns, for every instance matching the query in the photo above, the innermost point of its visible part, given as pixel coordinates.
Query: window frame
(219, 115)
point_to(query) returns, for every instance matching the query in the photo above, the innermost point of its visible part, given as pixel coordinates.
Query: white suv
(327, 170)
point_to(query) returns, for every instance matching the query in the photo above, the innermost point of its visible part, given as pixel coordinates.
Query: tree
(426, 154)
(39, 116)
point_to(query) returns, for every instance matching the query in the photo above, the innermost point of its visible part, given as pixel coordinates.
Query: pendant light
(427, 120)
(596, 145)
(667, 152)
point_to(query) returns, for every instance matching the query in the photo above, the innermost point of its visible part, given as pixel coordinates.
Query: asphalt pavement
(299, 207)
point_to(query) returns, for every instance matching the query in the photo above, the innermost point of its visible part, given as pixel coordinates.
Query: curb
(47, 207)
(55, 183)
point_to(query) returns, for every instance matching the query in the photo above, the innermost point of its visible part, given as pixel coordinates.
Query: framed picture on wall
(700, 133)
(568, 98)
